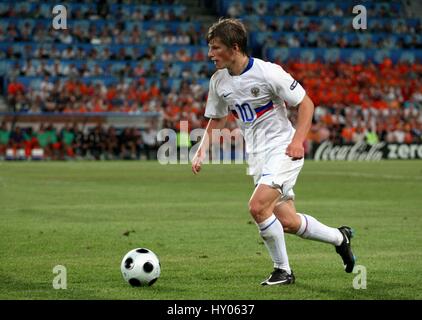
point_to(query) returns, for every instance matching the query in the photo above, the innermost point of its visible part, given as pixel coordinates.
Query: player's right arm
(217, 123)
(216, 110)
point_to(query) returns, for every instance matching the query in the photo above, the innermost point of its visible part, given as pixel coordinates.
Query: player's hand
(295, 150)
(197, 161)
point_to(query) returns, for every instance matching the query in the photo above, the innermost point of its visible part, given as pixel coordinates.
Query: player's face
(220, 54)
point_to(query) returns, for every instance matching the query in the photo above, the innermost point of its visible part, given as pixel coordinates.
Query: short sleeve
(284, 86)
(215, 107)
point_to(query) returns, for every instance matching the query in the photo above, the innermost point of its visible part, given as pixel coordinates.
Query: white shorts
(276, 169)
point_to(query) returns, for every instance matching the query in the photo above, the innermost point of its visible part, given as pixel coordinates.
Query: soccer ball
(140, 267)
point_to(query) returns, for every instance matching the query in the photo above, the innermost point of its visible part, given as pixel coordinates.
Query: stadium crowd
(116, 69)
(96, 10)
(238, 9)
(72, 141)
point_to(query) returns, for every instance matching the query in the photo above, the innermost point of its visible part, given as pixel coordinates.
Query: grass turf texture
(87, 215)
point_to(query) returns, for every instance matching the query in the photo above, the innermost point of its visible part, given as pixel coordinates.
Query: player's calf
(285, 211)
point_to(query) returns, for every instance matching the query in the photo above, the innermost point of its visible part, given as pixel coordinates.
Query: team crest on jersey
(255, 91)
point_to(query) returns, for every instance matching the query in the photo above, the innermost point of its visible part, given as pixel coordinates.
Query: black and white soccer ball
(140, 267)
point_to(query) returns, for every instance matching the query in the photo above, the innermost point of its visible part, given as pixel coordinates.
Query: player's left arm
(290, 91)
(304, 121)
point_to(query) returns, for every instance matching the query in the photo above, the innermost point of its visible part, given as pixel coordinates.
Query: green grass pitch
(87, 215)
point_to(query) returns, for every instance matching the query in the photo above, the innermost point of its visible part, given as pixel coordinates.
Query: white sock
(272, 233)
(311, 228)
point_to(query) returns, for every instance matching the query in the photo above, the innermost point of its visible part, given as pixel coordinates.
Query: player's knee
(253, 208)
(257, 209)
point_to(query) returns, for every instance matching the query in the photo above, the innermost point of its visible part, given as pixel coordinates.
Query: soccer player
(257, 93)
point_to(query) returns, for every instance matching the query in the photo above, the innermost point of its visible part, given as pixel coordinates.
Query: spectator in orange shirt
(154, 90)
(408, 137)
(111, 93)
(15, 89)
(143, 94)
(347, 134)
(70, 86)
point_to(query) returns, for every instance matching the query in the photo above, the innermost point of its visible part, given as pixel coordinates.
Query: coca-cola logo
(359, 151)
(404, 151)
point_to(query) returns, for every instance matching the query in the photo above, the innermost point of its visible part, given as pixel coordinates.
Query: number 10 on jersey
(245, 112)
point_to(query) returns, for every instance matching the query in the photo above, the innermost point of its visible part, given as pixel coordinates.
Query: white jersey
(258, 99)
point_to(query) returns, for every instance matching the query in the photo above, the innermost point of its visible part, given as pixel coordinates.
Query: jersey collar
(250, 64)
